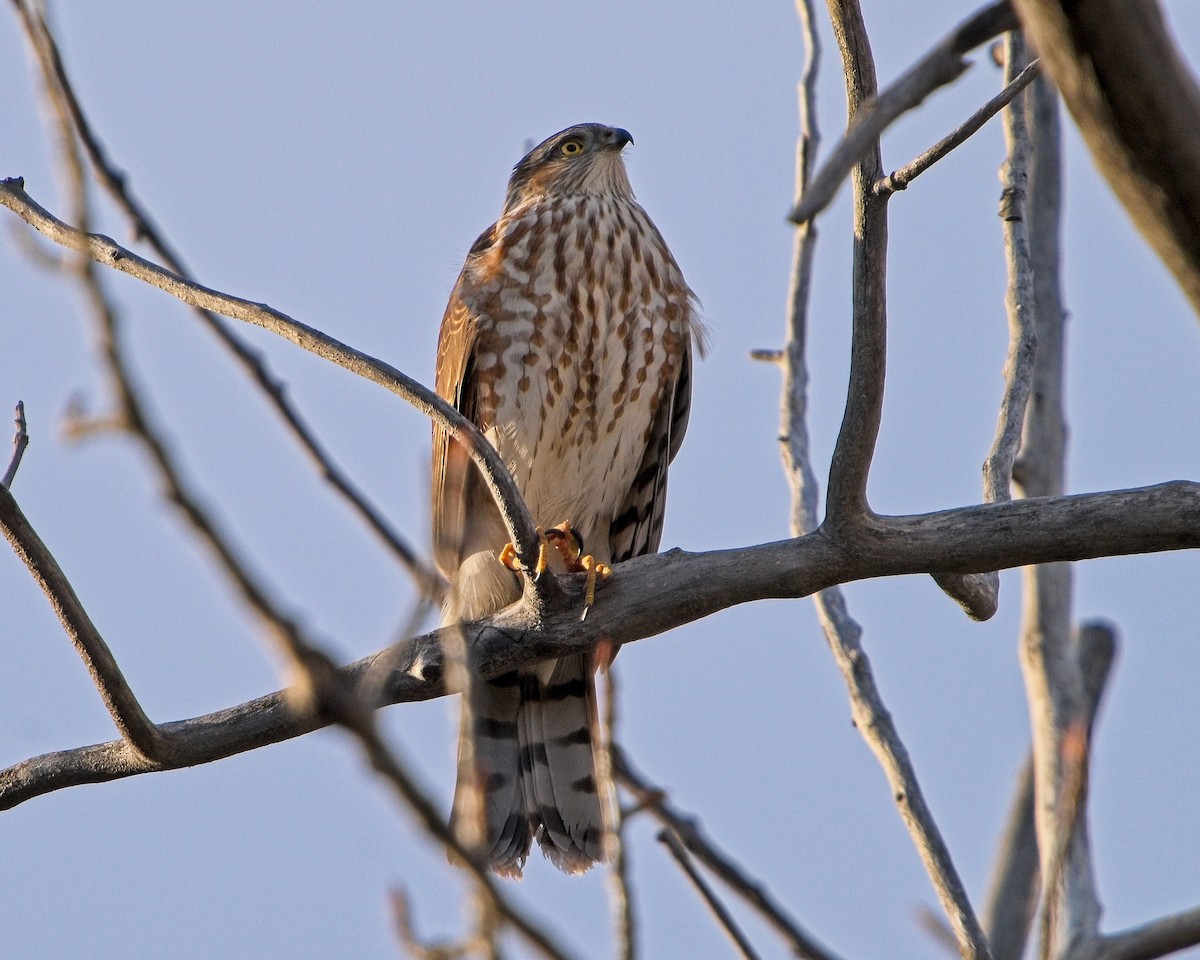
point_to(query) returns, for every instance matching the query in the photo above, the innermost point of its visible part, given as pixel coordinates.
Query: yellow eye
(571, 148)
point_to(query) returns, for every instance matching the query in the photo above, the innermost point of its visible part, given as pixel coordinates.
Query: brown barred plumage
(567, 339)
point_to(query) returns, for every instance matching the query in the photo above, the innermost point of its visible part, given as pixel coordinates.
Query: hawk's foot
(508, 557)
(569, 544)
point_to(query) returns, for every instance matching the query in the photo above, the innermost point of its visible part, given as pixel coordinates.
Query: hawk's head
(582, 159)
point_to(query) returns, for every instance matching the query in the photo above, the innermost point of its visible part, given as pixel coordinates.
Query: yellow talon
(595, 569)
(508, 556)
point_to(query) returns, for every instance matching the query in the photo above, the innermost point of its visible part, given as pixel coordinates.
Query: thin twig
(20, 441)
(720, 914)
(687, 828)
(900, 179)
(979, 594)
(106, 251)
(412, 944)
(1014, 888)
(793, 399)
(116, 183)
(940, 66)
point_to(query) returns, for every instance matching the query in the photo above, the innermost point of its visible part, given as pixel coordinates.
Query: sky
(338, 167)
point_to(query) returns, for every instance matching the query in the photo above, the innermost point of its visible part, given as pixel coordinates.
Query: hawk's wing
(455, 479)
(638, 526)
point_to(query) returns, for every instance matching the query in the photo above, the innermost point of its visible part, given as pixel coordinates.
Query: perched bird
(567, 340)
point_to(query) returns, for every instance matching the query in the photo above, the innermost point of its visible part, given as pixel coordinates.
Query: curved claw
(509, 558)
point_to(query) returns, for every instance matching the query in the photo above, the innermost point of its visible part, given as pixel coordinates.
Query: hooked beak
(617, 138)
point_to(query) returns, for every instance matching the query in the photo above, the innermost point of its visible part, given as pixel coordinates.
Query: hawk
(567, 340)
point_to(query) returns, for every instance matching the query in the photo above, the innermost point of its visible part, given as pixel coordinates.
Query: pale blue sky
(337, 166)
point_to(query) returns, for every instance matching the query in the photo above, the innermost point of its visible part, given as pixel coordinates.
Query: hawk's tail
(534, 770)
(558, 725)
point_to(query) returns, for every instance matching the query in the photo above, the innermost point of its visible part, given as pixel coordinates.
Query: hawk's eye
(571, 148)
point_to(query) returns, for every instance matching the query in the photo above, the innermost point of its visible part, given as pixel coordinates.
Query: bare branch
(940, 66)
(105, 251)
(687, 828)
(1137, 105)
(793, 413)
(1019, 298)
(652, 594)
(1013, 898)
(619, 881)
(20, 441)
(847, 502)
(412, 945)
(1058, 700)
(722, 916)
(116, 183)
(131, 721)
(874, 722)
(1016, 879)
(979, 594)
(1149, 941)
(900, 179)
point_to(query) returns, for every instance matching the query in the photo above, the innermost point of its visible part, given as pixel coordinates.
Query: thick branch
(851, 462)
(1154, 939)
(105, 251)
(1015, 883)
(1138, 107)
(652, 594)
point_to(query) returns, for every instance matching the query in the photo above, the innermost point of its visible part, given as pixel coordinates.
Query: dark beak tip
(621, 137)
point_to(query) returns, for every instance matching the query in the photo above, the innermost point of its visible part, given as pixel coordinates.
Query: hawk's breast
(584, 318)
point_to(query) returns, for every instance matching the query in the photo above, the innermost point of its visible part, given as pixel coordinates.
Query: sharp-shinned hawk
(567, 340)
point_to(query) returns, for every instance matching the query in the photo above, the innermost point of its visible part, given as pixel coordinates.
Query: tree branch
(656, 593)
(1013, 900)
(105, 251)
(1137, 105)
(131, 721)
(940, 66)
(654, 800)
(1149, 941)
(723, 917)
(847, 506)
(846, 501)
(900, 179)
(253, 364)
(20, 441)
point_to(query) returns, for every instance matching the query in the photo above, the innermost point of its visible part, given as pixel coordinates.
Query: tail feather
(569, 803)
(496, 707)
